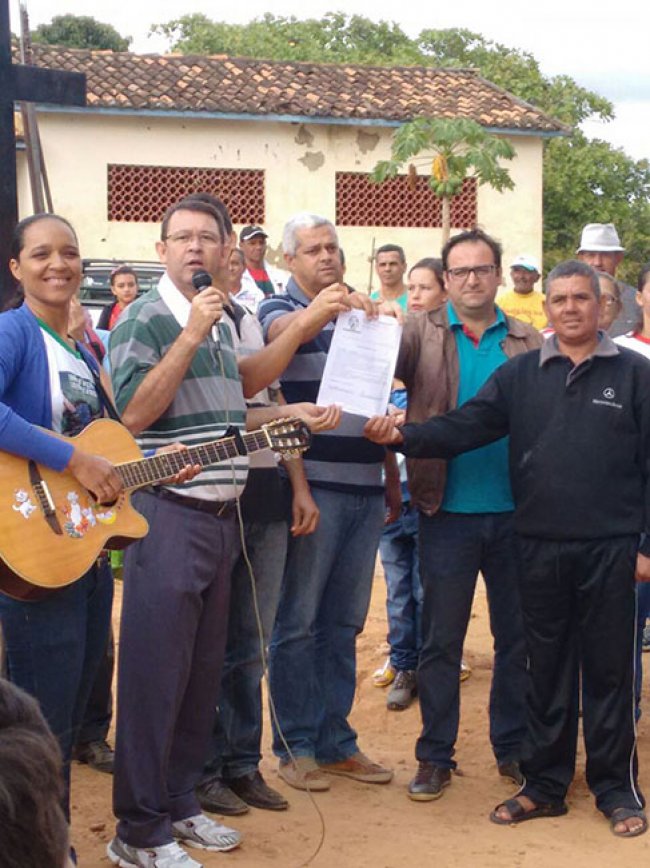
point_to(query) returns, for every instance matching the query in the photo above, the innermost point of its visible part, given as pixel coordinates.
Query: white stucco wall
(300, 161)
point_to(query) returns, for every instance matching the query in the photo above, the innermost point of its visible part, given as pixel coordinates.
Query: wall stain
(367, 141)
(313, 160)
(275, 256)
(304, 137)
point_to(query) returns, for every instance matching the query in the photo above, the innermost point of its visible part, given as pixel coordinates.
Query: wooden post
(23, 84)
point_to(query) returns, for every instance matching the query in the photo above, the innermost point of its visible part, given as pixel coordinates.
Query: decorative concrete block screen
(359, 202)
(141, 194)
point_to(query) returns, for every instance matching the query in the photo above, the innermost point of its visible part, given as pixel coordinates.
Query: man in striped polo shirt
(328, 576)
(175, 379)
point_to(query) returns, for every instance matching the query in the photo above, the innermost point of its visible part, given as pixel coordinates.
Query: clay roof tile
(221, 84)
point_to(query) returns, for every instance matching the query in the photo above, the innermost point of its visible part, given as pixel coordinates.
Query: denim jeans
(323, 607)
(99, 710)
(237, 733)
(398, 548)
(54, 648)
(453, 548)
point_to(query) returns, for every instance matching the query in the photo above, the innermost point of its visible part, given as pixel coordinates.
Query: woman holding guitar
(47, 381)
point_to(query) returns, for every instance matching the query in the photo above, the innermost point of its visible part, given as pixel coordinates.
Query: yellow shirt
(528, 307)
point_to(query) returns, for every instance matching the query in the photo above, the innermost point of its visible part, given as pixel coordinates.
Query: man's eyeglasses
(481, 272)
(205, 239)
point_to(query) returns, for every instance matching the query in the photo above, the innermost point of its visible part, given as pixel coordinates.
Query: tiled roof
(226, 85)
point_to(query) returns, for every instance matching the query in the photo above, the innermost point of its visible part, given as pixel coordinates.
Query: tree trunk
(446, 219)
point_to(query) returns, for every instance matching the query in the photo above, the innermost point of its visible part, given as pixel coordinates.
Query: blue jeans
(237, 733)
(323, 608)
(453, 548)
(398, 548)
(99, 710)
(54, 648)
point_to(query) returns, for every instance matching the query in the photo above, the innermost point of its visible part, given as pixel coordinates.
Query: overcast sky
(604, 49)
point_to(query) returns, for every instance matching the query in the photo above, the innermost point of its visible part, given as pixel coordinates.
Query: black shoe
(511, 771)
(96, 754)
(216, 797)
(429, 782)
(254, 790)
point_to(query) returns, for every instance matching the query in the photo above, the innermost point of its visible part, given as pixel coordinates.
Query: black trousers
(579, 607)
(172, 641)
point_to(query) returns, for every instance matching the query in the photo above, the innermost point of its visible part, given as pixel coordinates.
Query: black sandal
(619, 815)
(519, 814)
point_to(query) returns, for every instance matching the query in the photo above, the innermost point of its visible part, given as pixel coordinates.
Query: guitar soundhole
(102, 504)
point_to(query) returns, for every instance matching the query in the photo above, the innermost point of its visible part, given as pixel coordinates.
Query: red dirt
(377, 826)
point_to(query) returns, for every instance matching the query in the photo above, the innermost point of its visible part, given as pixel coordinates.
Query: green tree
(459, 147)
(335, 38)
(515, 71)
(590, 181)
(81, 31)
(584, 180)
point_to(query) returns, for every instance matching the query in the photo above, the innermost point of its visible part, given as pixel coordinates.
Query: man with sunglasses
(465, 511)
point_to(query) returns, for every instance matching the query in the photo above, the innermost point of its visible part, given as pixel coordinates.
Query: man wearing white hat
(523, 302)
(601, 248)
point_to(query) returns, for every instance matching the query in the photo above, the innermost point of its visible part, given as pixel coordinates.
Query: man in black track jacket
(578, 415)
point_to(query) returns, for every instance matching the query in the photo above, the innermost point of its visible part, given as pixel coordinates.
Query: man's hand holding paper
(359, 370)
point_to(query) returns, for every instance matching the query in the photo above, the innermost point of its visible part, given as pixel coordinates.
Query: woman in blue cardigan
(53, 645)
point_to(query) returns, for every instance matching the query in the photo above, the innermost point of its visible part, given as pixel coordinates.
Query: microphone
(202, 280)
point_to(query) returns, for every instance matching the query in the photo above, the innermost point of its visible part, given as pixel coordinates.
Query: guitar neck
(157, 468)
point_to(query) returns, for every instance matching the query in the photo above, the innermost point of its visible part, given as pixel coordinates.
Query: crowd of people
(524, 419)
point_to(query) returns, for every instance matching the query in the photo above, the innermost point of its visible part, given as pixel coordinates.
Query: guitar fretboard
(149, 471)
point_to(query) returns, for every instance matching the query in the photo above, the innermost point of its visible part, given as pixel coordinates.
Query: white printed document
(358, 373)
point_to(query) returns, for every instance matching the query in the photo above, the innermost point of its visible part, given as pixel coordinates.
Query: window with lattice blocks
(142, 194)
(399, 202)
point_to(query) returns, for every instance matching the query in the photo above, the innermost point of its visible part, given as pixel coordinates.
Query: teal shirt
(478, 481)
(402, 299)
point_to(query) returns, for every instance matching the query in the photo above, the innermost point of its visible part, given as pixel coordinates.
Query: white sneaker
(205, 834)
(165, 856)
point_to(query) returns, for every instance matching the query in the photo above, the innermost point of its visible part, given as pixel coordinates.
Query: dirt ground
(363, 826)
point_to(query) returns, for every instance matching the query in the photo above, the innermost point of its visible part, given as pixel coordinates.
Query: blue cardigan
(25, 398)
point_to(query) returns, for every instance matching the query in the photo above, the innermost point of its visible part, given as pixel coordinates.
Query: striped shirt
(341, 460)
(249, 342)
(207, 402)
(262, 501)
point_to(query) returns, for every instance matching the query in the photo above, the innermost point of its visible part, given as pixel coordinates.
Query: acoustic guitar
(52, 529)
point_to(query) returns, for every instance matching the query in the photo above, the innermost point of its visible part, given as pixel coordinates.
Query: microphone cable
(256, 609)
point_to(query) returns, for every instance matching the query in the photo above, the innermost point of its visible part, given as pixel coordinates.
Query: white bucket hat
(600, 238)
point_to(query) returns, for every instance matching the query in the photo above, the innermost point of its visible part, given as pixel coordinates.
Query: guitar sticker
(23, 503)
(82, 515)
(106, 516)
